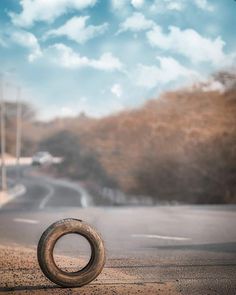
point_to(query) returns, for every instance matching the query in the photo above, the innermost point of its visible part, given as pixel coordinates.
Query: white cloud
(46, 10)
(169, 70)
(117, 90)
(66, 57)
(67, 112)
(82, 105)
(75, 29)
(78, 106)
(213, 85)
(121, 5)
(162, 6)
(27, 40)
(137, 3)
(188, 43)
(118, 4)
(204, 5)
(107, 62)
(135, 23)
(175, 5)
(70, 109)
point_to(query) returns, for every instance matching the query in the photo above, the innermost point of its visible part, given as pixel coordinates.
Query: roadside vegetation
(178, 147)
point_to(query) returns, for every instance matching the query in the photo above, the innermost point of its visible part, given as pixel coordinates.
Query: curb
(16, 191)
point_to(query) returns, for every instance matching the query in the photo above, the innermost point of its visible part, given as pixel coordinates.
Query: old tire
(45, 253)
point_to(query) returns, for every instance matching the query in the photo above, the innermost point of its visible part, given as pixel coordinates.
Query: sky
(104, 56)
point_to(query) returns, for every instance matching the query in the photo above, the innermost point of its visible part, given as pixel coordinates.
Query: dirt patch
(20, 274)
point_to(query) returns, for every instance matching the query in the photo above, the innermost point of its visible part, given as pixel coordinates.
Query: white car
(42, 158)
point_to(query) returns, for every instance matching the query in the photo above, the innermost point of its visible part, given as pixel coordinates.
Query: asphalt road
(43, 192)
(192, 246)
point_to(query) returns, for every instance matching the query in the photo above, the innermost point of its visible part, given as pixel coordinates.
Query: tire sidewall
(46, 246)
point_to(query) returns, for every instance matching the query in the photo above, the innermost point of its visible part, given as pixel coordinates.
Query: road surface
(43, 192)
(158, 250)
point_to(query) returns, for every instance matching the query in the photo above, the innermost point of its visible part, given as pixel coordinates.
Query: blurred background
(121, 113)
(177, 148)
(135, 99)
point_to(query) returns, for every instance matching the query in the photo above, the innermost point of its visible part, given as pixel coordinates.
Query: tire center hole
(72, 252)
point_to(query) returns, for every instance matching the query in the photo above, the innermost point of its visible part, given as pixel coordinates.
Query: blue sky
(103, 56)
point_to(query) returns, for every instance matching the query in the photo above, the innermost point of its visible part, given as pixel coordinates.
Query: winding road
(43, 192)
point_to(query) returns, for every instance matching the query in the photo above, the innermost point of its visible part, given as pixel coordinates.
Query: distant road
(43, 192)
(190, 247)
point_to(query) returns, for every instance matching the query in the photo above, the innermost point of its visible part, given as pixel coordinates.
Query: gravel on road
(20, 274)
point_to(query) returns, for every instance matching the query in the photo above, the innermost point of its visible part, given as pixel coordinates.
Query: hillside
(180, 146)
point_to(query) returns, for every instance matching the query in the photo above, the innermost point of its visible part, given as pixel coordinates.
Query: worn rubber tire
(45, 253)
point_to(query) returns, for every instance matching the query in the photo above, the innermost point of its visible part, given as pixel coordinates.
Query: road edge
(16, 191)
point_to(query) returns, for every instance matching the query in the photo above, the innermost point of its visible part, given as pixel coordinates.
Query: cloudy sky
(102, 56)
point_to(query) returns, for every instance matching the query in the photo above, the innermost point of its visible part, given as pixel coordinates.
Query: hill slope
(180, 146)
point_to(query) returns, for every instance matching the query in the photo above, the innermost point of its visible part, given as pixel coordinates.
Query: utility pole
(18, 130)
(3, 137)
